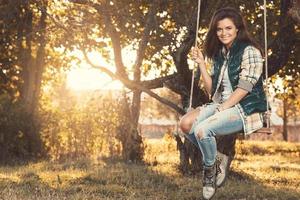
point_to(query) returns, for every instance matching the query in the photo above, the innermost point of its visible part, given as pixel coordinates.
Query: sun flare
(83, 77)
(91, 79)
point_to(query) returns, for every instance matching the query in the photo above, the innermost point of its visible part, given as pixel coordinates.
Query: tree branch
(112, 32)
(116, 43)
(145, 87)
(144, 41)
(132, 85)
(158, 82)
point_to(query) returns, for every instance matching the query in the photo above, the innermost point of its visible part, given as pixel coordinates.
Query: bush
(17, 129)
(77, 131)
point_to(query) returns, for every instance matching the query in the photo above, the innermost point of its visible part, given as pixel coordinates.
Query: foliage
(73, 129)
(129, 21)
(170, 26)
(27, 49)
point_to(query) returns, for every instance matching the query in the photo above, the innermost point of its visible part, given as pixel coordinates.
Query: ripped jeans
(211, 123)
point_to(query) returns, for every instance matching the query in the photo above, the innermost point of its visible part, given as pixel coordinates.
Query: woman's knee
(188, 119)
(185, 124)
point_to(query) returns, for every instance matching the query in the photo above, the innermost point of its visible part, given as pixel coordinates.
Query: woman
(235, 85)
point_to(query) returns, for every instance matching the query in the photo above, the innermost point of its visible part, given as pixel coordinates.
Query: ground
(261, 170)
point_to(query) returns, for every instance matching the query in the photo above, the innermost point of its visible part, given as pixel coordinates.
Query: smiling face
(226, 32)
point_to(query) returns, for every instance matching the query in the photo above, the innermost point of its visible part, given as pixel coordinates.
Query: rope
(266, 62)
(196, 41)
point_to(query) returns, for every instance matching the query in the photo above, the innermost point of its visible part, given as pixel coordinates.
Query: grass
(261, 170)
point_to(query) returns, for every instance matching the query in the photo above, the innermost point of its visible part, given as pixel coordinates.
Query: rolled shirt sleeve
(212, 69)
(251, 68)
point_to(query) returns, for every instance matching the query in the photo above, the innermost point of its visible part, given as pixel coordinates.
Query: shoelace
(208, 181)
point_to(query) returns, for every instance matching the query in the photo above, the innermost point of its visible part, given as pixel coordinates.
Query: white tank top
(225, 86)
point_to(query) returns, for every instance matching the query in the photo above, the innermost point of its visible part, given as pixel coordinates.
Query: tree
(288, 93)
(158, 29)
(26, 52)
(23, 43)
(142, 22)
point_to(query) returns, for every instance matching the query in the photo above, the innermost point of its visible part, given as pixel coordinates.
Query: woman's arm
(199, 58)
(237, 95)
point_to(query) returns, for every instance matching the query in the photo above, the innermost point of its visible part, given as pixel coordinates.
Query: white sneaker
(222, 168)
(208, 192)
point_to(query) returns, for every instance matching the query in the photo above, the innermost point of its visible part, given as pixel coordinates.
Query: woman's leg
(222, 123)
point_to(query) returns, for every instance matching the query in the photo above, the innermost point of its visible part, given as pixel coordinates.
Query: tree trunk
(40, 60)
(33, 67)
(285, 120)
(32, 70)
(136, 143)
(26, 59)
(127, 131)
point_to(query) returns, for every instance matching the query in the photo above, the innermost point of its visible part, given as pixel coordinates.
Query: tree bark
(127, 133)
(25, 56)
(40, 59)
(285, 119)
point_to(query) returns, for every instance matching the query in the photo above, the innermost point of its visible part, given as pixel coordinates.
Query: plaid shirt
(251, 70)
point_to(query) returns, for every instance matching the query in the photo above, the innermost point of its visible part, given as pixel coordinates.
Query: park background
(91, 92)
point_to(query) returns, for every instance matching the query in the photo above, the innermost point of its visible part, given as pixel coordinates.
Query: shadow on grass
(115, 179)
(29, 186)
(241, 185)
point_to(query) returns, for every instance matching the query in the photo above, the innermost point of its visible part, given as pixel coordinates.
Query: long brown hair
(212, 44)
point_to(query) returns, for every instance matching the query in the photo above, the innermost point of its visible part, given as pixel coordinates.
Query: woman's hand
(220, 108)
(197, 56)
